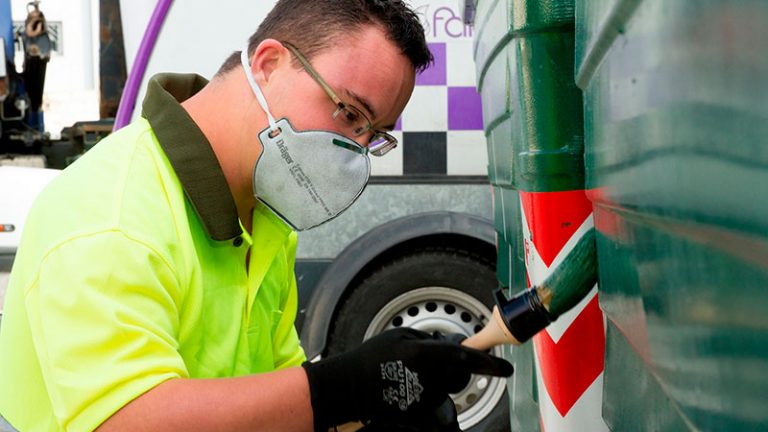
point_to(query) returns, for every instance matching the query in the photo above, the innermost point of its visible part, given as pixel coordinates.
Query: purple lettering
(436, 18)
(452, 24)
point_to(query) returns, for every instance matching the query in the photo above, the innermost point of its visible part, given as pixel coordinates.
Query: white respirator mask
(309, 177)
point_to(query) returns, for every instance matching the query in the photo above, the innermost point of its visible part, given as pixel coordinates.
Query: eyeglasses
(349, 116)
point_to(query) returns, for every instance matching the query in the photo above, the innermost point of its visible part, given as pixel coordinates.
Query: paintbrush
(516, 320)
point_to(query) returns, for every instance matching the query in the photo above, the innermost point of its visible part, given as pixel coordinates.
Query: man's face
(364, 69)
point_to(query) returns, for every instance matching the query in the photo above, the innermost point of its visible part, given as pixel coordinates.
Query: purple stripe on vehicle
(465, 111)
(136, 76)
(399, 124)
(435, 74)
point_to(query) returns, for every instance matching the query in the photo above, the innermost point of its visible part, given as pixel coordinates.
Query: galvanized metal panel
(500, 153)
(492, 24)
(523, 390)
(494, 90)
(510, 266)
(381, 203)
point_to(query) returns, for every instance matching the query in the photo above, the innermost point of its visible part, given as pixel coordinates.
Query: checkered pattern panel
(441, 129)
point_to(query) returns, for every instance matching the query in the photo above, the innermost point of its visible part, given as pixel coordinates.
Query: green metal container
(676, 126)
(496, 62)
(533, 116)
(675, 153)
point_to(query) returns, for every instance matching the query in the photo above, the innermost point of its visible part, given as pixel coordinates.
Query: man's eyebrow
(362, 101)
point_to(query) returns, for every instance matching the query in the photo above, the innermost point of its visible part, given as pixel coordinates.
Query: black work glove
(442, 419)
(399, 374)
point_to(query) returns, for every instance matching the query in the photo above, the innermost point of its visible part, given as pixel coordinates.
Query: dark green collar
(190, 153)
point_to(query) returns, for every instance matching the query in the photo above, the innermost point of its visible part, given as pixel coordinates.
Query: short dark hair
(313, 25)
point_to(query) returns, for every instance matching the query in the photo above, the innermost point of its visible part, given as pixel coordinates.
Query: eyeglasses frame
(389, 143)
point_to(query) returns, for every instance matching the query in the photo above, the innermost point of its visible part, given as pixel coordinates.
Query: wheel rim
(446, 310)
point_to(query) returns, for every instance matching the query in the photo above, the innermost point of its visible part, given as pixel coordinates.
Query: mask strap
(257, 90)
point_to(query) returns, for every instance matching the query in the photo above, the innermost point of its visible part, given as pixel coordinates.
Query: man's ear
(268, 56)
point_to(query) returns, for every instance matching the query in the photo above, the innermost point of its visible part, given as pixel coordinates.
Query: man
(154, 288)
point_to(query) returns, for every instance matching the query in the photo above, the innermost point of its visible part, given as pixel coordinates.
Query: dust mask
(305, 177)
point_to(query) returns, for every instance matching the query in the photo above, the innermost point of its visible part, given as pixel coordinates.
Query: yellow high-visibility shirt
(132, 271)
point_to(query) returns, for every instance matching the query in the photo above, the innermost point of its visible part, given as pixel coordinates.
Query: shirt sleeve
(287, 349)
(104, 318)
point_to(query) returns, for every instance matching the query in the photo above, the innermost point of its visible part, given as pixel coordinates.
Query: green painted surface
(521, 387)
(676, 153)
(541, 16)
(550, 155)
(523, 393)
(590, 15)
(658, 411)
(676, 157)
(574, 277)
(532, 111)
(510, 271)
(531, 107)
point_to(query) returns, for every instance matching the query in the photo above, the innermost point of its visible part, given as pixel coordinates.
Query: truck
(417, 249)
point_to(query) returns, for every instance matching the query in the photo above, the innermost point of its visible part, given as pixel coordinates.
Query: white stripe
(559, 327)
(538, 272)
(584, 415)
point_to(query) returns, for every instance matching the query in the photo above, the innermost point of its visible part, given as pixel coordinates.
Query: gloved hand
(398, 374)
(442, 419)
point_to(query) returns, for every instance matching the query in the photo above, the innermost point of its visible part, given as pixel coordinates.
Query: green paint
(532, 107)
(676, 139)
(627, 411)
(550, 156)
(529, 16)
(675, 127)
(533, 125)
(691, 332)
(574, 277)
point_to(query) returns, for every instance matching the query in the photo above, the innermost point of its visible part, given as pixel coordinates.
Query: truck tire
(442, 289)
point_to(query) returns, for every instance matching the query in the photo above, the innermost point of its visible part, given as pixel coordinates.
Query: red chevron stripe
(571, 365)
(553, 218)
